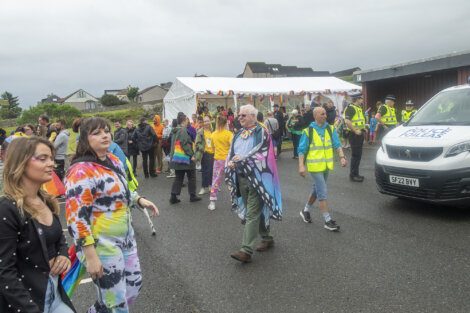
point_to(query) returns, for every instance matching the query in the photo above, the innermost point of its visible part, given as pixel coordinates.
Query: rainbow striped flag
(178, 154)
(55, 186)
(72, 278)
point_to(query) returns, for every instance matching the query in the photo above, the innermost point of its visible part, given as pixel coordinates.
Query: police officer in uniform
(408, 112)
(356, 123)
(386, 117)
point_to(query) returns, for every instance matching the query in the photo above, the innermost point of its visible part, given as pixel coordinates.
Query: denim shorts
(319, 185)
(53, 302)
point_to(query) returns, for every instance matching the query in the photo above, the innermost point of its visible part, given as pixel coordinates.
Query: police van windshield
(450, 107)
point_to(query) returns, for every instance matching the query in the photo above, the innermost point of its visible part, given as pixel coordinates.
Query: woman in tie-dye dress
(99, 219)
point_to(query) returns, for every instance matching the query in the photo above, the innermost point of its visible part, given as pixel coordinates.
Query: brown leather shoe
(241, 257)
(265, 245)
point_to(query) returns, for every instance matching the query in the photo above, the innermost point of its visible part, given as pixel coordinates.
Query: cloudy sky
(60, 46)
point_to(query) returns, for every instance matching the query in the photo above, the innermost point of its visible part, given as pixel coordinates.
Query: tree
(53, 110)
(132, 93)
(110, 100)
(12, 107)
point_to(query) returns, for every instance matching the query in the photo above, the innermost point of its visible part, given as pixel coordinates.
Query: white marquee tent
(185, 91)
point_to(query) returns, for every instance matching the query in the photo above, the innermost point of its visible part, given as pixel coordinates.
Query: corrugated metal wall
(463, 75)
(418, 88)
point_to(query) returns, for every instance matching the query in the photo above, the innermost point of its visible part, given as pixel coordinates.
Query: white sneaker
(198, 166)
(203, 191)
(211, 206)
(172, 174)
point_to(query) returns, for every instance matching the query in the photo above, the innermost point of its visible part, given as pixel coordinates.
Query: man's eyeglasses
(245, 115)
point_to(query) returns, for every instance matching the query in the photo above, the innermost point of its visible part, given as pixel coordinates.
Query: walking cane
(149, 220)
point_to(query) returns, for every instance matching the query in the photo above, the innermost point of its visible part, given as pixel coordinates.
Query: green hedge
(119, 115)
(53, 110)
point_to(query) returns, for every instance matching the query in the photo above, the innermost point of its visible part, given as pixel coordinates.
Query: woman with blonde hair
(221, 140)
(33, 250)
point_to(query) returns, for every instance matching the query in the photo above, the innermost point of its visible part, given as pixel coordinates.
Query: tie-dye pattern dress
(97, 212)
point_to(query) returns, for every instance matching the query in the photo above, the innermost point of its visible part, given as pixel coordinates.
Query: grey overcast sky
(60, 46)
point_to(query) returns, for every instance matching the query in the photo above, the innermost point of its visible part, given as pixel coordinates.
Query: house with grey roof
(51, 98)
(152, 95)
(264, 70)
(82, 100)
(121, 94)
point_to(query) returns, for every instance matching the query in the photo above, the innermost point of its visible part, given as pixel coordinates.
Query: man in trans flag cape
(260, 165)
(251, 175)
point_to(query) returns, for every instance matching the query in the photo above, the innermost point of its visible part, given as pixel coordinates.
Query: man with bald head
(316, 148)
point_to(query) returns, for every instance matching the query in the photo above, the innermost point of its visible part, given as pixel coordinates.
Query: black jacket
(280, 119)
(132, 148)
(330, 115)
(24, 267)
(120, 137)
(307, 118)
(145, 137)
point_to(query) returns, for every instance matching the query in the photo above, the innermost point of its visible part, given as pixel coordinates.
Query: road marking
(65, 230)
(86, 281)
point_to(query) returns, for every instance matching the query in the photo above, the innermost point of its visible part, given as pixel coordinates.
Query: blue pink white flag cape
(261, 170)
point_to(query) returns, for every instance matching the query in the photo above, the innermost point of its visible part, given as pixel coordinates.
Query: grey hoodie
(61, 144)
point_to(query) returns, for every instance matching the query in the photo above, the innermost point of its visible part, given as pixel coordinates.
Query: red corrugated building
(417, 80)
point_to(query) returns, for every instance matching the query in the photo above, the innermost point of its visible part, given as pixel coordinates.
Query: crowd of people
(239, 150)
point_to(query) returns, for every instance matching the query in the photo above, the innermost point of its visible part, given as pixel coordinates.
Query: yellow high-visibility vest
(405, 115)
(320, 152)
(358, 120)
(132, 182)
(389, 118)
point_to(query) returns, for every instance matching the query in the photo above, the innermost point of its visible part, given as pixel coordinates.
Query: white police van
(428, 158)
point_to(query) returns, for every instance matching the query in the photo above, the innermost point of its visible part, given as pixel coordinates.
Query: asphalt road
(391, 255)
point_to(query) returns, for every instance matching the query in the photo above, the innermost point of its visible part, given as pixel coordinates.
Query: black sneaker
(306, 216)
(174, 199)
(331, 225)
(357, 178)
(194, 198)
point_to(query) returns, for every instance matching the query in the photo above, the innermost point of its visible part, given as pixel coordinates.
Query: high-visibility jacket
(132, 182)
(320, 152)
(358, 120)
(405, 115)
(389, 118)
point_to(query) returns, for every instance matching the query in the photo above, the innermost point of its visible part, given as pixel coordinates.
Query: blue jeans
(319, 190)
(53, 302)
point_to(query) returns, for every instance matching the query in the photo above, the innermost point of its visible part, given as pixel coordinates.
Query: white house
(82, 100)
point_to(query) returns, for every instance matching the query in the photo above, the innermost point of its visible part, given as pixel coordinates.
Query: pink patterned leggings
(217, 178)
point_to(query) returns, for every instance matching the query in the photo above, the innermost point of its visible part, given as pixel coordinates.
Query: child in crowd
(372, 128)
(221, 140)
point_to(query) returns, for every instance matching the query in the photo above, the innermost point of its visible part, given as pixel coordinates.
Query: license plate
(405, 181)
